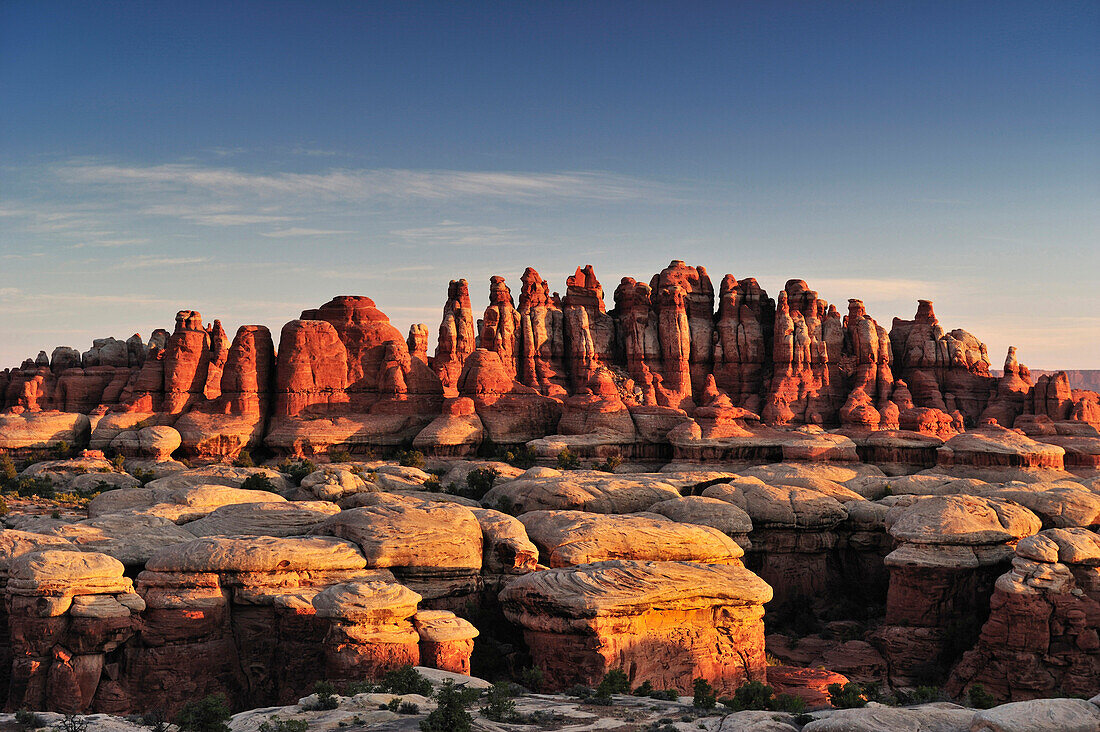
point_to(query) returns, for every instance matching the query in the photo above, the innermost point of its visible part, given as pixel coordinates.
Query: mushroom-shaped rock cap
(258, 554)
(507, 547)
(61, 572)
(130, 538)
(961, 520)
(377, 601)
(1068, 546)
(566, 538)
(288, 518)
(780, 506)
(727, 517)
(1061, 504)
(442, 626)
(410, 533)
(626, 587)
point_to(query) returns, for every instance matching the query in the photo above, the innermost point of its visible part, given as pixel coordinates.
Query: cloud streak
(363, 184)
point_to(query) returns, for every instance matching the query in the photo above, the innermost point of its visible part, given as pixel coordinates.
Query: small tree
(499, 706)
(568, 460)
(979, 698)
(410, 458)
(450, 714)
(208, 714)
(705, 698)
(406, 680)
(244, 460)
(479, 482)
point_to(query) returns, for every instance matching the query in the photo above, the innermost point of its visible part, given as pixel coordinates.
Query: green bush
(450, 714)
(666, 695)
(614, 682)
(61, 450)
(609, 464)
(751, 695)
(144, 476)
(567, 460)
(406, 680)
(258, 482)
(326, 696)
(118, 462)
(790, 703)
(40, 486)
(297, 469)
(521, 457)
(532, 678)
(979, 698)
(433, 485)
(3, 507)
(499, 706)
(410, 458)
(848, 696)
(339, 456)
(392, 705)
(8, 473)
(208, 714)
(479, 482)
(244, 460)
(284, 725)
(645, 689)
(704, 698)
(408, 708)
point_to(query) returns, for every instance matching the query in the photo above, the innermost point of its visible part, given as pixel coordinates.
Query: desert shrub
(848, 696)
(208, 714)
(568, 460)
(521, 457)
(704, 698)
(297, 469)
(28, 720)
(479, 482)
(531, 677)
(614, 682)
(666, 695)
(410, 458)
(925, 694)
(579, 691)
(3, 507)
(499, 706)
(979, 698)
(772, 660)
(8, 472)
(284, 725)
(341, 455)
(433, 485)
(326, 696)
(392, 705)
(751, 695)
(244, 460)
(258, 482)
(40, 486)
(450, 714)
(61, 450)
(789, 703)
(408, 708)
(359, 687)
(144, 476)
(644, 689)
(118, 462)
(155, 720)
(406, 680)
(609, 464)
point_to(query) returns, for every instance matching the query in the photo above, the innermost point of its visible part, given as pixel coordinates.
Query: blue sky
(249, 160)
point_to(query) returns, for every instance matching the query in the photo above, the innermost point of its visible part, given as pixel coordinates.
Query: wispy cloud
(154, 262)
(366, 183)
(298, 231)
(452, 233)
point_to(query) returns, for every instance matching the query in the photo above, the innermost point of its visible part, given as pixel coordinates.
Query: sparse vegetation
(284, 725)
(848, 696)
(326, 696)
(521, 457)
(208, 714)
(342, 455)
(62, 451)
(118, 462)
(450, 714)
(410, 458)
(499, 706)
(759, 696)
(979, 698)
(705, 697)
(258, 482)
(609, 464)
(28, 720)
(532, 678)
(244, 460)
(478, 483)
(568, 460)
(406, 680)
(144, 476)
(297, 469)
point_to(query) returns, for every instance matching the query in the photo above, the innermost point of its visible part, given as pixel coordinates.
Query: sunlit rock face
(666, 622)
(677, 369)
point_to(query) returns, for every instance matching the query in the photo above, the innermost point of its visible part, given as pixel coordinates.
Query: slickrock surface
(547, 489)
(567, 538)
(287, 518)
(666, 622)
